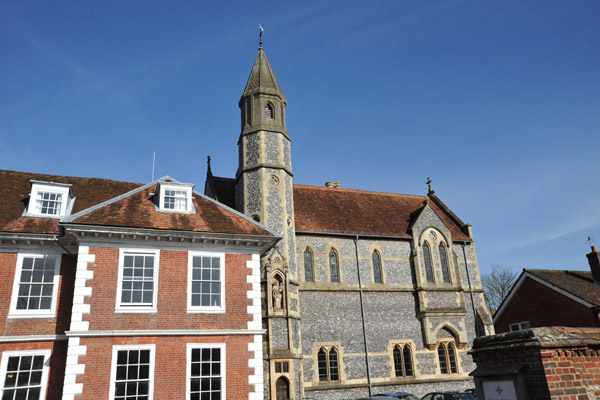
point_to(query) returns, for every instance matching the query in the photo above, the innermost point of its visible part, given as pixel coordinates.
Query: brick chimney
(594, 260)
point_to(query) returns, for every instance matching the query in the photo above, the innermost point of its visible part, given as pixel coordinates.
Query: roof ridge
(358, 190)
(67, 176)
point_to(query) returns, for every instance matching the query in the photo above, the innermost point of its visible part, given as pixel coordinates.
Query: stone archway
(282, 387)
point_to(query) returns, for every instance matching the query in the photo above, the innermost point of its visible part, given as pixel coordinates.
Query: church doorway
(283, 389)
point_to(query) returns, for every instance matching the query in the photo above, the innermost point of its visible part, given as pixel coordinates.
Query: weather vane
(260, 34)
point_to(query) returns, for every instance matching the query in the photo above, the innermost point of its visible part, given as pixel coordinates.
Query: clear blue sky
(497, 101)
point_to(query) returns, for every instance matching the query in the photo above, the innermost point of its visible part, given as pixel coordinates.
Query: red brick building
(557, 363)
(120, 290)
(552, 298)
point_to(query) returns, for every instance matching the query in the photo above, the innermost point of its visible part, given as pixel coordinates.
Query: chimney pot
(333, 184)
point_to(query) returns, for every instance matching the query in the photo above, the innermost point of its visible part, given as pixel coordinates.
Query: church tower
(264, 192)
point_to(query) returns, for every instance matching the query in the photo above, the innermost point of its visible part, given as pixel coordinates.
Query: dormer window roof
(50, 199)
(175, 197)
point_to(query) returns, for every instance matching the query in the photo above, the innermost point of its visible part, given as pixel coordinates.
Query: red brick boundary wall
(556, 362)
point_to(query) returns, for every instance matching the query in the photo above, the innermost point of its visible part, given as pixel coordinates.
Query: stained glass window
(444, 262)
(308, 266)
(333, 266)
(427, 260)
(377, 273)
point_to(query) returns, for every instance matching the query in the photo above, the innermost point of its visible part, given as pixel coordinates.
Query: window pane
(206, 281)
(377, 275)
(452, 358)
(333, 266)
(407, 356)
(427, 260)
(23, 377)
(444, 262)
(36, 282)
(397, 361)
(205, 373)
(132, 379)
(322, 364)
(333, 365)
(308, 266)
(137, 287)
(442, 358)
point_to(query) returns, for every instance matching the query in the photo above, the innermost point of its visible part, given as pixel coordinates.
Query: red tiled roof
(15, 194)
(322, 209)
(348, 211)
(138, 210)
(135, 210)
(578, 283)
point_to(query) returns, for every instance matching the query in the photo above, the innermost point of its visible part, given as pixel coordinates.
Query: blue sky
(497, 101)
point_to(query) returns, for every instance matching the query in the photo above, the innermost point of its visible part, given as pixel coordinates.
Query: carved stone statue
(277, 291)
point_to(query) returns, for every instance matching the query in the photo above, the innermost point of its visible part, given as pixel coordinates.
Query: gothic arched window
(269, 112)
(403, 360)
(444, 262)
(377, 272)
(308, 266)
(427, 260)
(334, 271)
(447, 357)
(327, 362)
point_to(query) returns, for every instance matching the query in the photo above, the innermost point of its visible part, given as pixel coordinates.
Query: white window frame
(4, 365)
(190, 347)
(205, 309)
(14, 312)
(126, 307)
(55, 188)
(187, 188)
(113, 369)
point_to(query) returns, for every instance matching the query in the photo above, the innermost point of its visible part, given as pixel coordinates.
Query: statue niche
(277, 292)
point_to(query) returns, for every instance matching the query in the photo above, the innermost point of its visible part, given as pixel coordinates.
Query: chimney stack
(594, 260)
(332, 184)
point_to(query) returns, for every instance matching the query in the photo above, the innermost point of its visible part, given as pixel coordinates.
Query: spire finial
(209, 171)
(260, 34)
(430, 191)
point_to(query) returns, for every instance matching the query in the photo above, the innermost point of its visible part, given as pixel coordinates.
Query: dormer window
(176, 198)
(49, 199)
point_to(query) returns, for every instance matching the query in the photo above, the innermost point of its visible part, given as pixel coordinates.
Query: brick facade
(556, 363)
(542, 306)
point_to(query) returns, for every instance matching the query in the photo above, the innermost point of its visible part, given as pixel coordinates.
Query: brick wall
(58, 358)
(170, 364)
(172, 295)
(36, 326)
(542, 306)
(557, 362)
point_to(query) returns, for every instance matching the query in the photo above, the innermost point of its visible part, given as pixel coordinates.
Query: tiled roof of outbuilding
(133, 208)
(578, 283)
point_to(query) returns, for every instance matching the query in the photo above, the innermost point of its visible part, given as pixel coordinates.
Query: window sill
(136, 310)
(206, 311)
(18, 315)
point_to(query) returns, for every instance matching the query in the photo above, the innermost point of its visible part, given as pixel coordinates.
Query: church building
(365, 289)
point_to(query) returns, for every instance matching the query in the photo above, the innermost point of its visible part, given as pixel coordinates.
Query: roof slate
(578, 283)
(135, 210)
(320, 209)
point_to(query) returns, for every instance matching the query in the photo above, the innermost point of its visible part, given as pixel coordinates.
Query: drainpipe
(477, 332)
(362, 313)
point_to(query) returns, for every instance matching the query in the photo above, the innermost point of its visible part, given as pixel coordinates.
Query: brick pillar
(594, 260)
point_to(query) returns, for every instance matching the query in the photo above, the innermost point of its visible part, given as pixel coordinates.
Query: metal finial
(430, 191)
(260, 34)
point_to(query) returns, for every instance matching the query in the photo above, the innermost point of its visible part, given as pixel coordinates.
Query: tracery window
(447, 357)
(377, 272)
(403, 360)
(444, 262)
(427, 260)
(269, 112)
(334, 271)
(327, 361)
(308, 266)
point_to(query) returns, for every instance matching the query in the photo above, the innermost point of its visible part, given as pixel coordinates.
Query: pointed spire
(262, 76)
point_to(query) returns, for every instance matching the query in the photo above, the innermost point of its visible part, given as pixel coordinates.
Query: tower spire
(260, 35)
